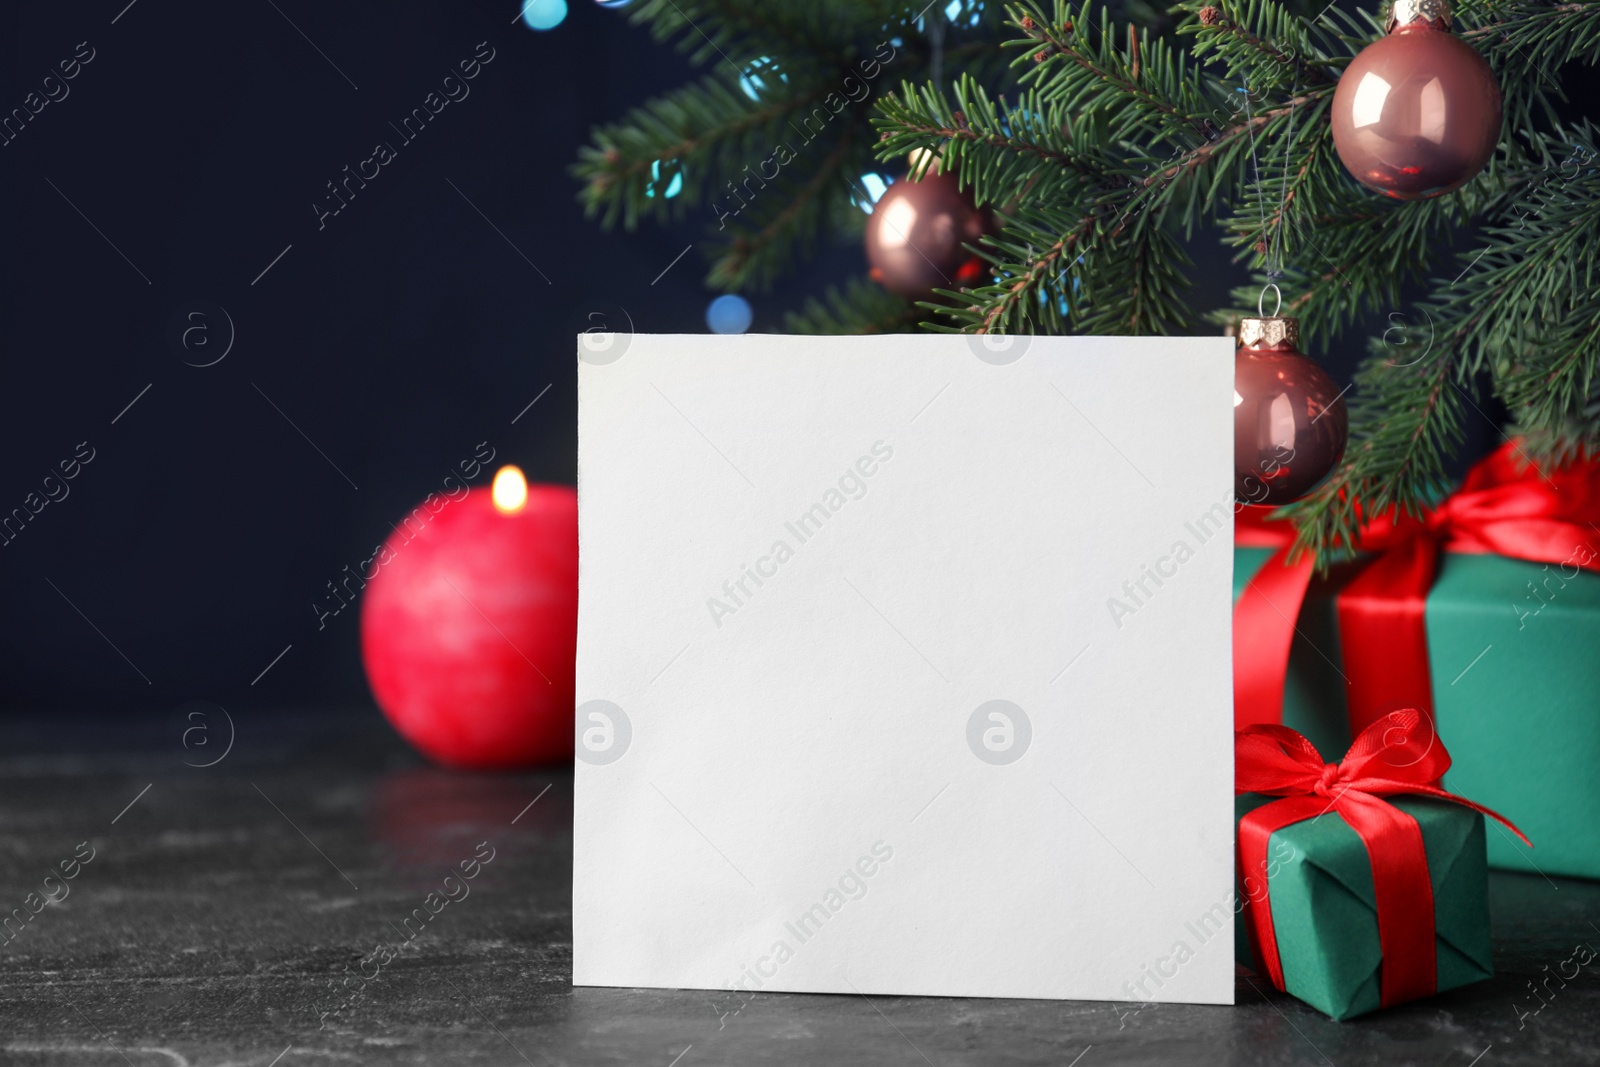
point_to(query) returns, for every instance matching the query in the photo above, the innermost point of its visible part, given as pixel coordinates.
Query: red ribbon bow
(1504, 506)
(1398, 754)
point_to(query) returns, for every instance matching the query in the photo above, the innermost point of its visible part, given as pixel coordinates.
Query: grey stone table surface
(247, 913)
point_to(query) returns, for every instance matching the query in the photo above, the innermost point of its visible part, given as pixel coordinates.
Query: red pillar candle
(469, 629)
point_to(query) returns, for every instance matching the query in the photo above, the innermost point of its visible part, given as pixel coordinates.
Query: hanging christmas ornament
(1417, 113)
(916, 234)
(1289, 422)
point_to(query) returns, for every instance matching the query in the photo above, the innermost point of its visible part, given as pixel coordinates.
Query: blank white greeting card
(904, 666)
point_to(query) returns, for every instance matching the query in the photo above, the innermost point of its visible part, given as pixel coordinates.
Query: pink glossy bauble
(1289, 424)
(917, 235)
(469, 629)
(1416, 114)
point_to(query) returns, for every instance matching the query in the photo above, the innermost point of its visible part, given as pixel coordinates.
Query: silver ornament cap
(1405, 12)
(1269, 331)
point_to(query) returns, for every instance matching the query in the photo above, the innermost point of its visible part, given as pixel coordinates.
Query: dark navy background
(397, 337)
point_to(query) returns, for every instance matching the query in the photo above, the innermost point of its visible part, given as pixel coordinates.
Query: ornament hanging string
(1271, 239)
(1255, 167)
(1262, 299)
(1283, 207)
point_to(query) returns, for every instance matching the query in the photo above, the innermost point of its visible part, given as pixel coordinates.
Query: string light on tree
(756, 76)
(544, 14)
(872, 187)
(1417, 113)
(729, 313)
(669, 184)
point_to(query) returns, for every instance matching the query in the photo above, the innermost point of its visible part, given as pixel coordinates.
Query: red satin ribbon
(1504, 506)
(1263, 618)
(1398, 754)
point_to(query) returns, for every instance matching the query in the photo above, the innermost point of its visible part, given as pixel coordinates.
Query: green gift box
(1320, 896)
(1514, 653)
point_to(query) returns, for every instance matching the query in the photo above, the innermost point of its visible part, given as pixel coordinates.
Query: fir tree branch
(1201, 154)
(998, 305)
(1524, 309)
(1057, 44)
(714, 30)
(609, 170)
(754, 257)
(946, 134)
(999, 311)
(862, 307)
(1537, 18)
(1215, 21)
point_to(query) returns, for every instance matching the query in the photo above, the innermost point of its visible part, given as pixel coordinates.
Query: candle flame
(510, 490)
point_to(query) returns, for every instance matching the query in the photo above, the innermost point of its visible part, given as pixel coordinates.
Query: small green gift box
(1323, 909)
(1514, 656)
